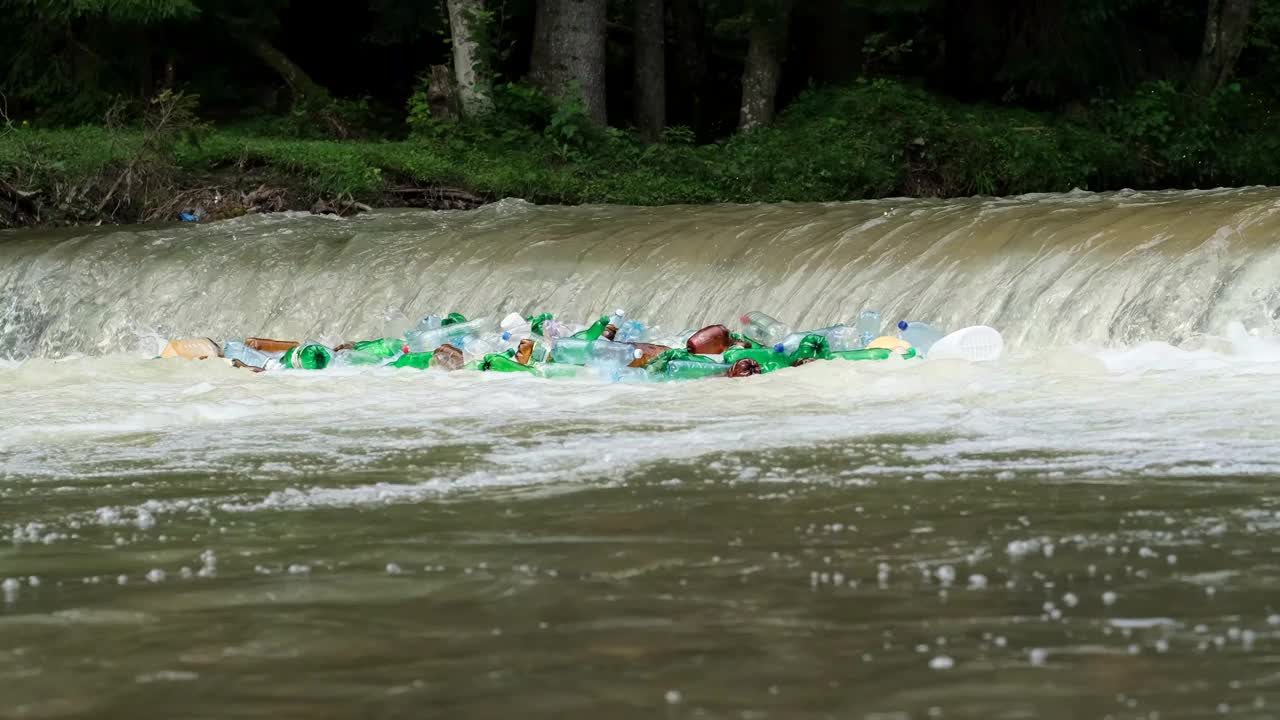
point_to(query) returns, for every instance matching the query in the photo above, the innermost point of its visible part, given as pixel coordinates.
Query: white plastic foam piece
(975, 344)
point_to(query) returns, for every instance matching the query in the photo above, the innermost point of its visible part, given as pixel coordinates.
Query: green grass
(874, 139)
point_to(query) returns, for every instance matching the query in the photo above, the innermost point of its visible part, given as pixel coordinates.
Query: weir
(1046, 270)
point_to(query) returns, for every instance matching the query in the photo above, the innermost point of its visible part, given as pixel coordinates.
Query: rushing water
(1086, 528)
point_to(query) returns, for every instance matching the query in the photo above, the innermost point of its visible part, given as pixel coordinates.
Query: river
(1085, 528)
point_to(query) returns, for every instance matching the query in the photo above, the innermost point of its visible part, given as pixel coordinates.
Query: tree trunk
(763, 70)
(650, 78)
(473, 78)
(568, 48)
(1224, 36)
(306, 92)
(442, 96)
(651, 69)
(690, 58)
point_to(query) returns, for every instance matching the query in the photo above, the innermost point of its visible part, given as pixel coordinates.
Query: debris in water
(942, 662)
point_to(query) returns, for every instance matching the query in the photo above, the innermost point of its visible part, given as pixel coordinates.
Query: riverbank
(876, 139)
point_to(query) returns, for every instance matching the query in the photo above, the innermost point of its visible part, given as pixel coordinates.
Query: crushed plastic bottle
(922, 336)
(764, 328)
(839, 338)
(574, 351)
(868, 328)
(812, 347)
(630, 331)
(235, 350)
(767, 358)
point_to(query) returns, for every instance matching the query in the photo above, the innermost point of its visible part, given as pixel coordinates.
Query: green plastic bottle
(312, 356)
(811, 346)
(659, 362)
(384, 347)
(768, 359)
(739, 337)
(536, 322)
(694, 369)
(502, 362)
(595, 331)
(871, 354)
(452, 318)
(418, 360)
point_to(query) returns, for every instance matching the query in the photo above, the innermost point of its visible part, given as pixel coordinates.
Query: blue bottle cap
(506, 335)
(902, 324)
(779, 348)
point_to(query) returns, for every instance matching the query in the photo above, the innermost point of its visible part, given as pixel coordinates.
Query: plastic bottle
(767, 358)
(630, 331)
(593, 332)
(354, 358)
(518, 326)
(618, 318)
(922, 336)
(765, 329)
(811, 347)
(839, 338)
(419, 361)
(235, 350)
(382, 347)
(308, 356)
(423, 340)
(868, 328)
(430, 322)
(873, 354)
(536, 322)
(502, 362)
(622, 374)
(692, 369)
(573, 351)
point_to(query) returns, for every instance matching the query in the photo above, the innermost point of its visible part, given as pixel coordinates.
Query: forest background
(136, 110)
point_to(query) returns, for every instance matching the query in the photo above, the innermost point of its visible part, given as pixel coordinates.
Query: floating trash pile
(613, 347)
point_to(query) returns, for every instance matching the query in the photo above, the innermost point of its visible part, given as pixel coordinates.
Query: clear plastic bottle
(430, 322)
(922, 336)
(839, 338)
(630, 331)
(691, 369)
(236, 350)
(357, 358)
(517, 325)
(768, 330)
(572, 351)
(424, 340)
(868, 328)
